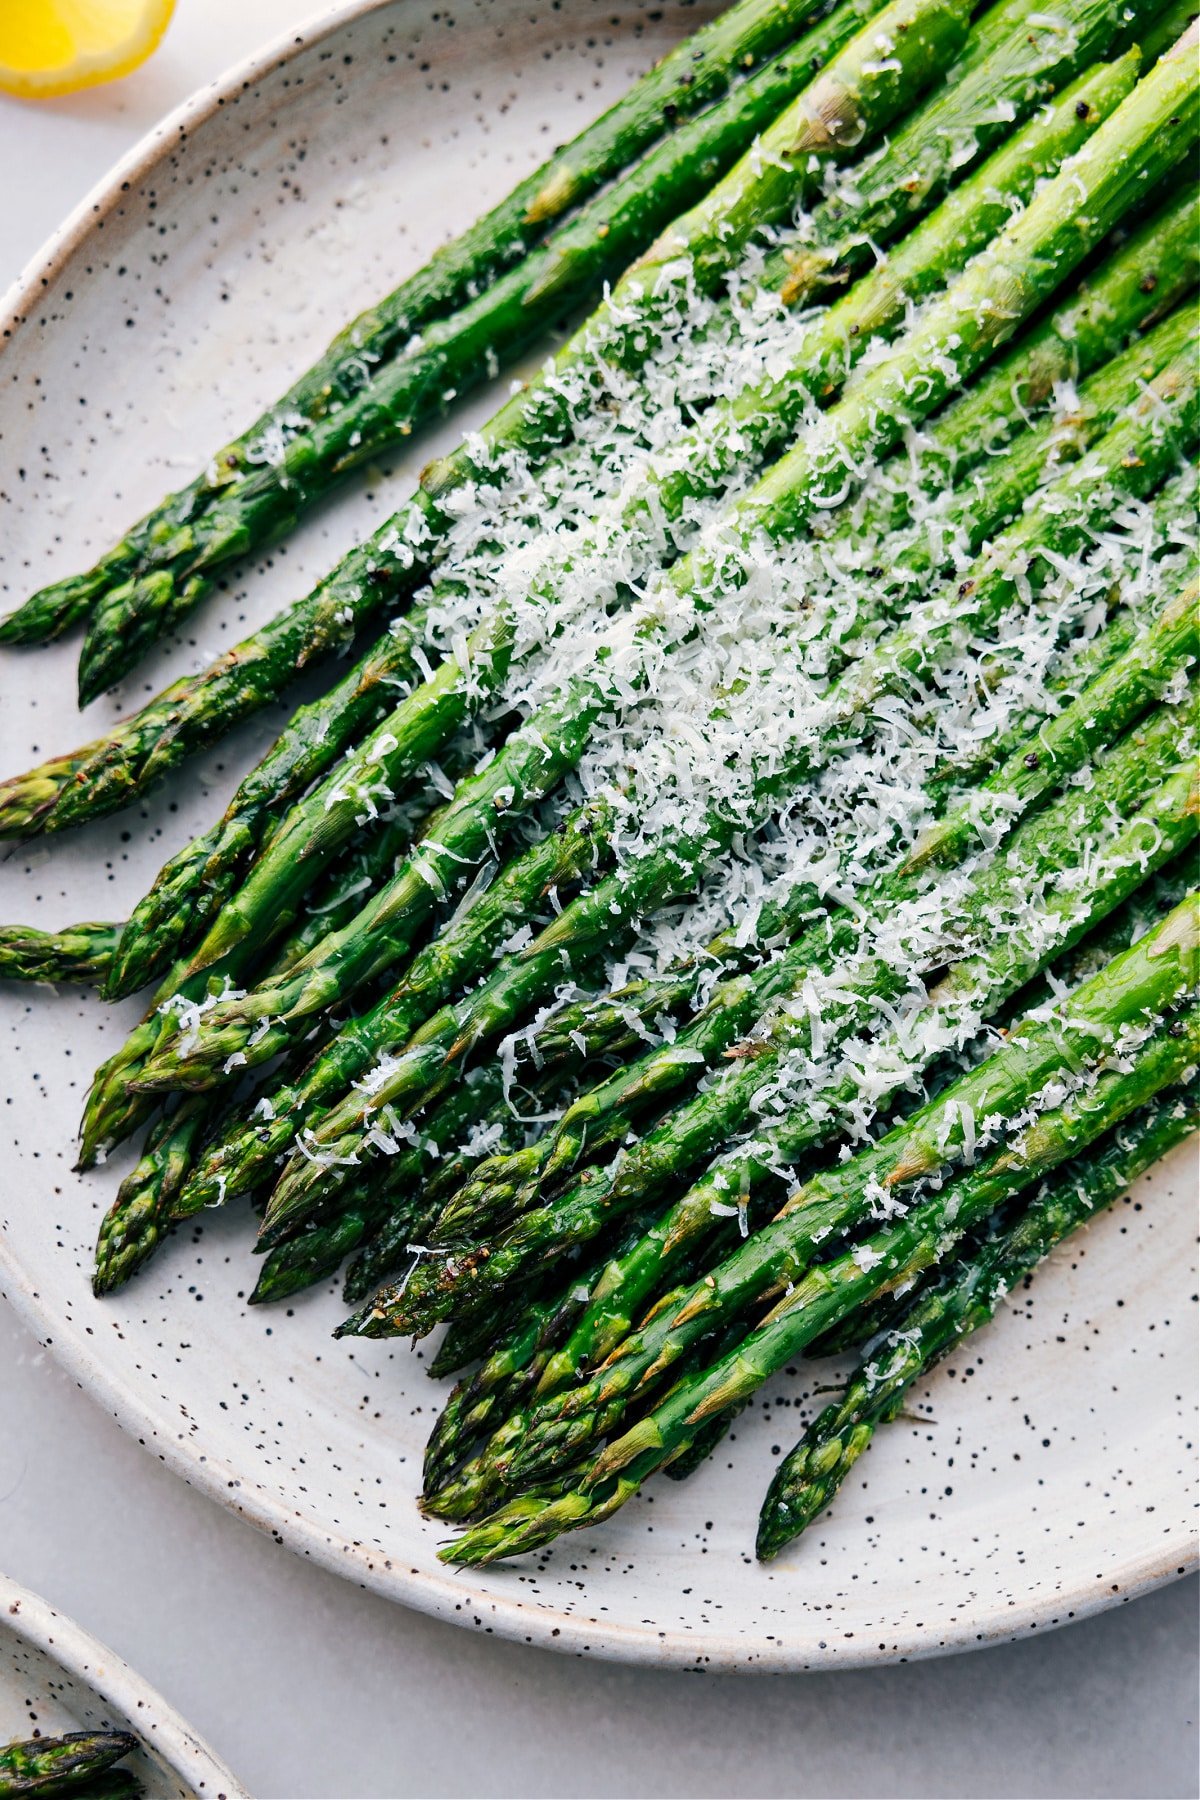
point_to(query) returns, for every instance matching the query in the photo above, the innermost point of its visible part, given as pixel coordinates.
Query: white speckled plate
(1051, 1471)
(55, 1677)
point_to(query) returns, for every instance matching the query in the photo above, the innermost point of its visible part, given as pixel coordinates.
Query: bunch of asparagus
(741, 900)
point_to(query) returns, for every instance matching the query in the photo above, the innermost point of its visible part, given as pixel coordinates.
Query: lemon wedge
(57, 46)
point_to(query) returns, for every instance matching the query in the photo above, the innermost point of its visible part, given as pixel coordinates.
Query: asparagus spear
(270, 508)
(697, 71)
(1131, 288)
(530, 977)
(1002, 73)
(1014, 57)
(135, 1222)
(620, 1023)
(1146, 906)
(476, 933)
(821, 1295)
(194, 884)
(1143, 134)
(80, 953)
(1158, 33)
(508, 1370)
(1169, 520)
(979, 979)
(1120, 693)
(963, 223)
(383, 1211)
(50, 1766)
(962, 1300)
(210, 863)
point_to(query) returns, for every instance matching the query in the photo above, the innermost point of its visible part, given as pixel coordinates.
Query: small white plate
(216, 262)
(55, 1677)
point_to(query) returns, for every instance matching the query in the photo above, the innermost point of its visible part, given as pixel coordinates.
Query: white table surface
(308, 1686)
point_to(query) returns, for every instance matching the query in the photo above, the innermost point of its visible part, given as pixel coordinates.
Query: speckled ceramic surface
(1046, 1472)
(55, 1677)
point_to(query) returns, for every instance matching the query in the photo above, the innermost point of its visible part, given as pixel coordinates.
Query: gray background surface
(308, 1686)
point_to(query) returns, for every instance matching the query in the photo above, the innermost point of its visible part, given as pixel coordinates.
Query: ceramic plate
(55, 1677)
(1046, 1472)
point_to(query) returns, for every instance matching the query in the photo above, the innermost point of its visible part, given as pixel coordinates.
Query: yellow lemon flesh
(57, 46)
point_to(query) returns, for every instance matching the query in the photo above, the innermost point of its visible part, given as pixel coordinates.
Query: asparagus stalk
(1015, 57)
(315, 821)
(195, 883)
(1153, 123)
(1158, 33)
(1133, 284)
(1012, 57)
(1129, 290)
(508, 1371)
(621, 1023)
(85, 953)
(819, 1296)
(81, 953)
(1170, 516)
(1005, 73)
(388, 1250)
(965, 1298)
(203, 874)
(587, 1204)
(134, 1224)
(980, 978)
(238, 1162)
(695, 72)
(383, 1210)
(339, 896)
(961, 224)
(1120, 693)
(61, 1765)
(531, 976)
(1144, 909)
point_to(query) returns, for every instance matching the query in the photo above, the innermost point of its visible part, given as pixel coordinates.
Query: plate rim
(93, 1664)
(21, 295)
(444, 1595)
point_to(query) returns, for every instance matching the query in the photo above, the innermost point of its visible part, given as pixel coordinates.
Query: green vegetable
(47, 1767)
(81, 953)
